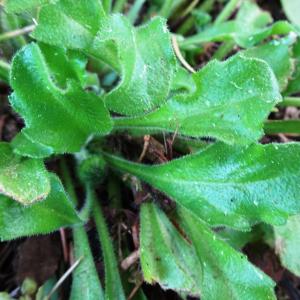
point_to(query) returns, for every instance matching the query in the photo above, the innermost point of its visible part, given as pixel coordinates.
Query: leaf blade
(24, 180)
(231, 106)
(224, 185)
(36, 97)
(43, 217)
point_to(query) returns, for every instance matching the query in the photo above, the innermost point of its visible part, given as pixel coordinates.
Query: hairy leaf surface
(191, 259)
(85, 283)
(230, 103)
(113, 285)
(166, 257)
(146, 68)
(227, 274)
(278, 55)
(287, 241)
(43, 217)
(61, 119)
(22, 179)
(18, 6)
(224, 185)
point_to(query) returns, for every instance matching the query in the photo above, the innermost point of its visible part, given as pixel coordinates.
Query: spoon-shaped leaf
(43, 217)
(143, 56)
(22, 179)
(61, 119)
(224, 185)
(230, 103)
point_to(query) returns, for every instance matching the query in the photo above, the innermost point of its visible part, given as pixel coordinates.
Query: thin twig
(130, 260)
(135, 289)
(63, 278)
(64, 244)
(180, 57)
(145, 147)
(15, 33)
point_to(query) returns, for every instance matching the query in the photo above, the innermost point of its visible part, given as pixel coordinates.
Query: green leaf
(248, 29)
(18, 6)
(85, 284)
(166, 256)
(113, 285)
(146, 68)
(22, 145)
(224, 185)
(231, 106)
(227, 274)
(25, 180)
(43, 217)
(291, 9)
(70, 23)
(294, 84)
(61, 119)
(282, 126)
(278, 55)
(287, 240)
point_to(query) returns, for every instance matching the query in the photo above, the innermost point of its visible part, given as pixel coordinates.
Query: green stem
(113, 285)
(224, 50)
(227, 11)
(4, 71)
(290, 101)
(119, 6)
(187, 25)
(166, 9)
(107, 5)
(15, 33)
(134, 11)
(282, 126)
(68, 183)
(86, 269)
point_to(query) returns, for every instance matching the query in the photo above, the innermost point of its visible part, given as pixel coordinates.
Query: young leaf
(227, 274)
(224, 185)
(113, 285)
(278, 55)
(61, 119)
(43, 217)
(287, 240)
(230, 103)
(146, 68)
(294, 84)
(18, 6)
(70, 23)
(85, 284)
(166, 256)
(22, 145)
(22, 179)
(248, 29)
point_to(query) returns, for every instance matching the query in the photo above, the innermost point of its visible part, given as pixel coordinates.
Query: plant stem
(186, 26)
(134, 11)
(227, 11)
(15, 33)
(86, 269)
(282, 126)
(107, 5)
(119, 6)
(223, 50)
(113, 285)
(290, 101)
(4, 71)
